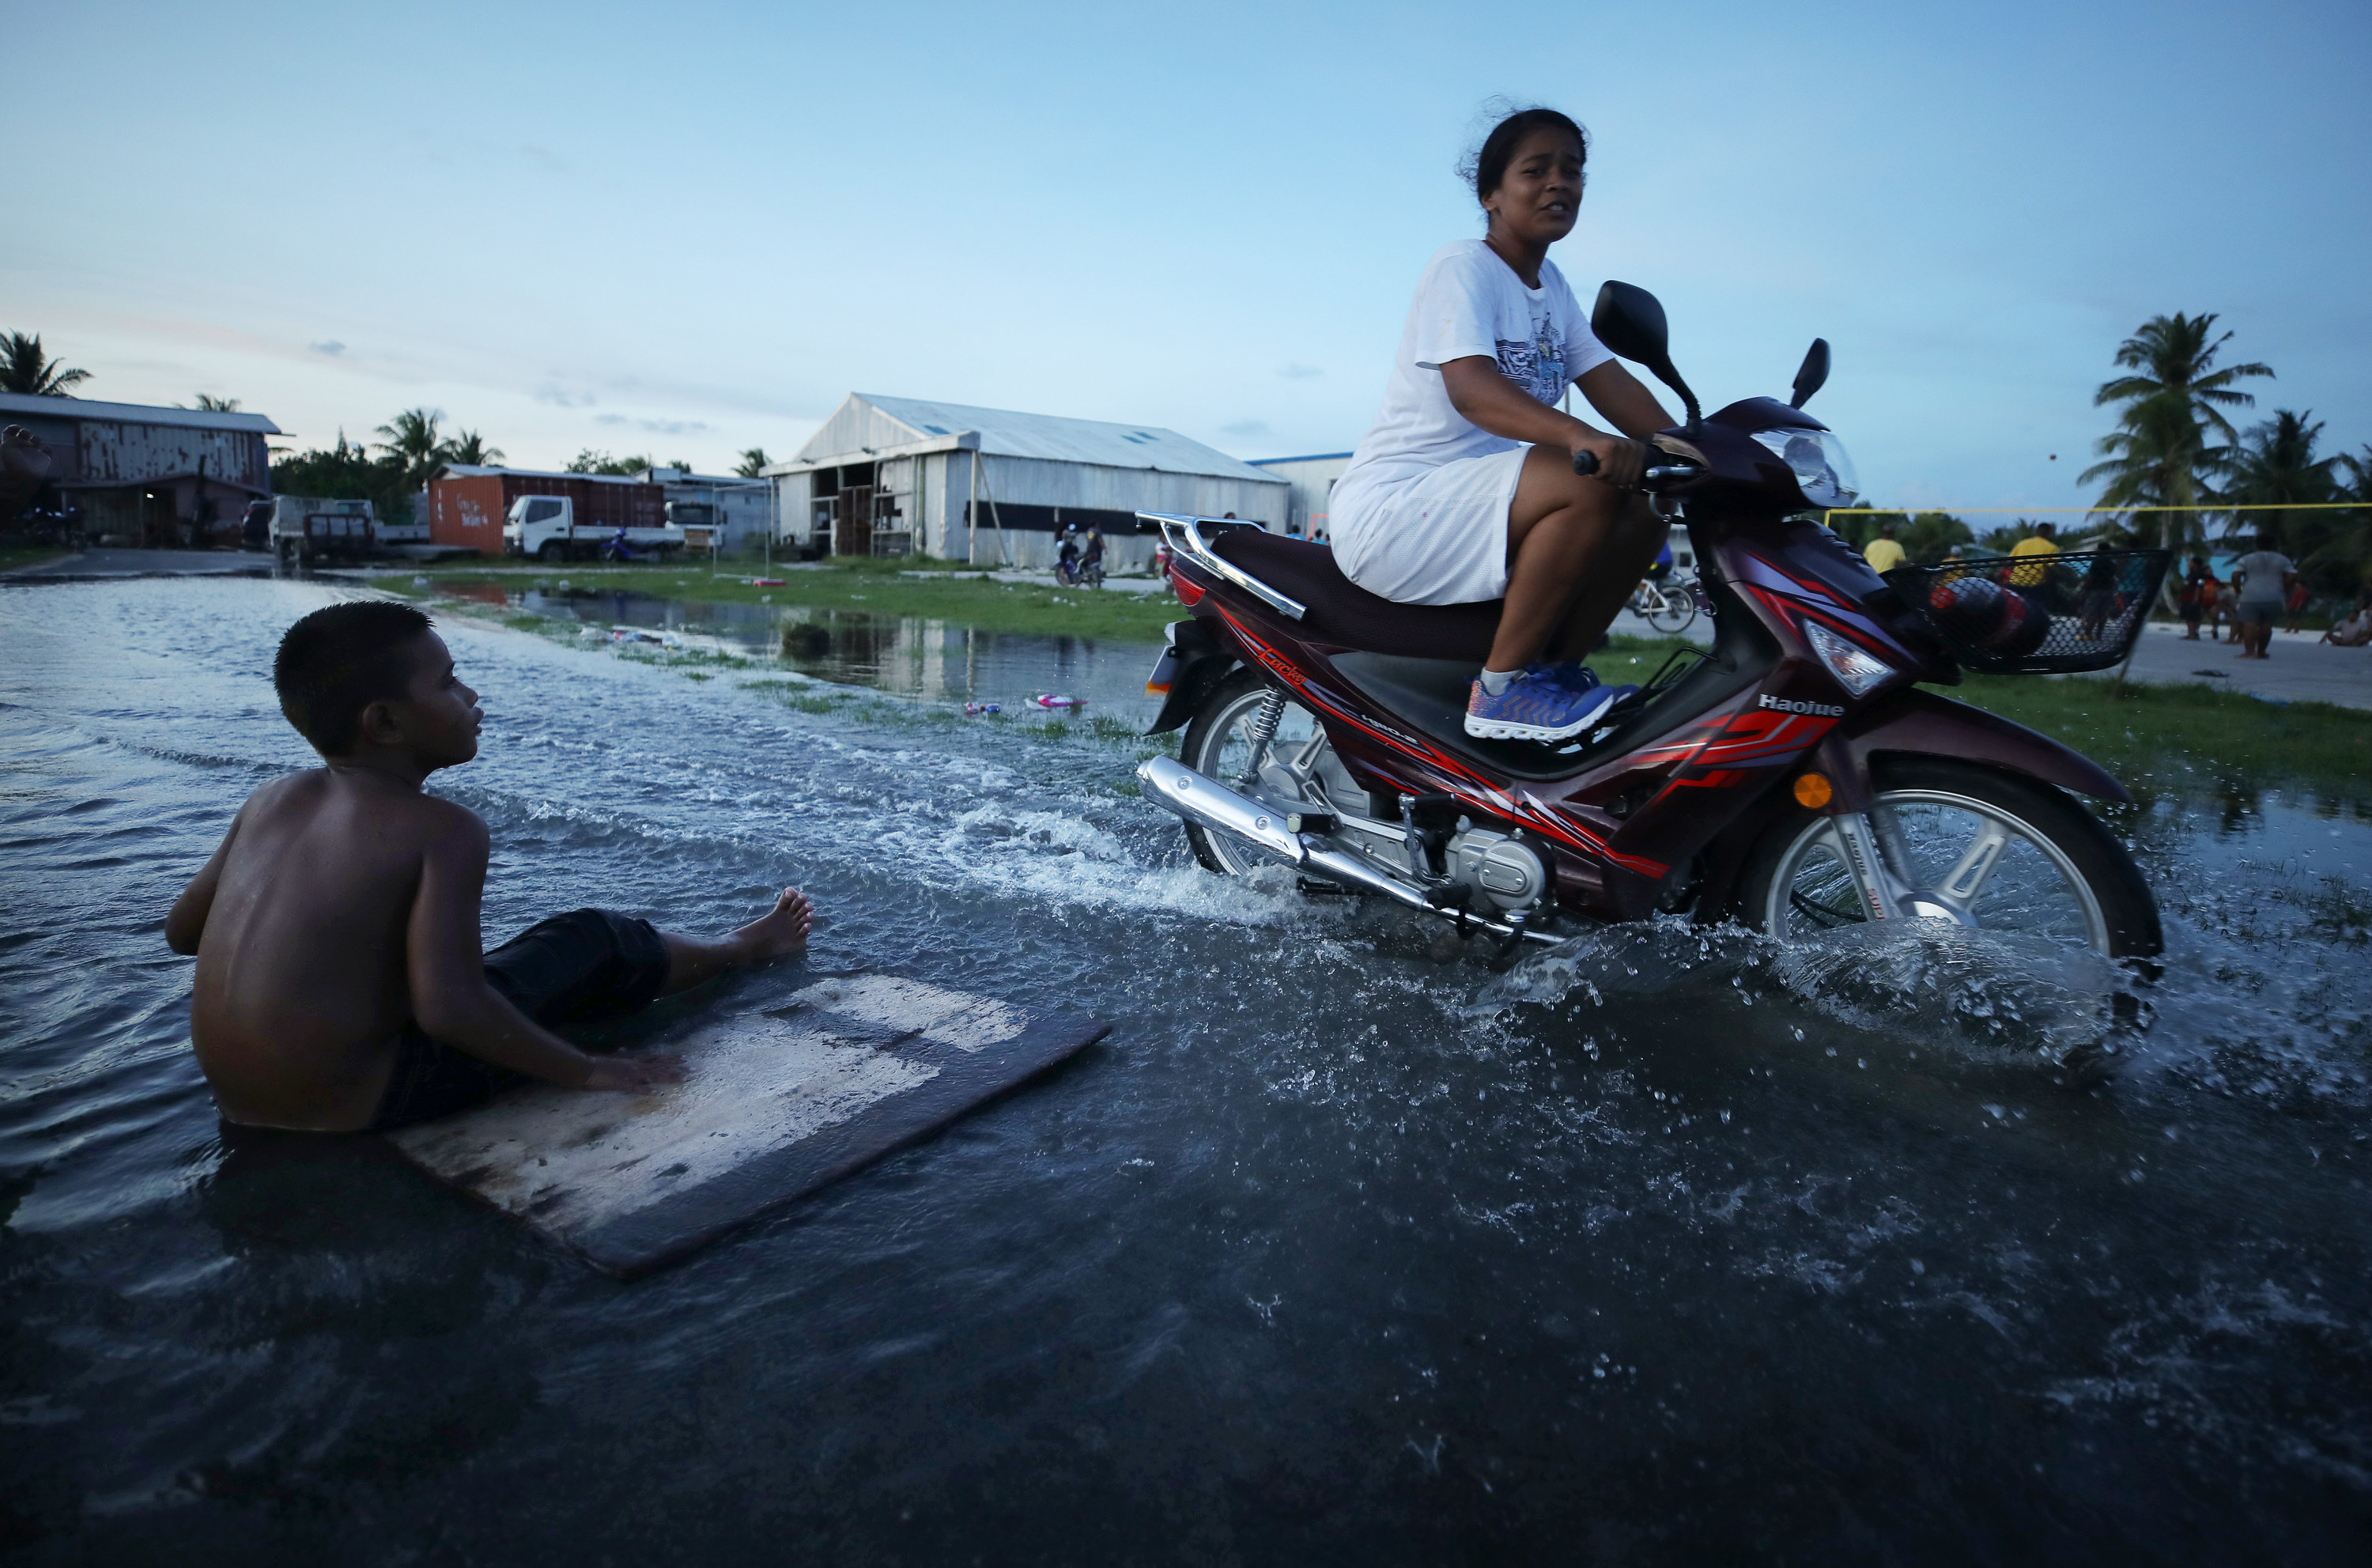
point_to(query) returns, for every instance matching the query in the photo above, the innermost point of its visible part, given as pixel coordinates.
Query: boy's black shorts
(583, 964)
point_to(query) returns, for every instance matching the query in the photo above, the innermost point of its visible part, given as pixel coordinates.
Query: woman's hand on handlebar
(1610, 458)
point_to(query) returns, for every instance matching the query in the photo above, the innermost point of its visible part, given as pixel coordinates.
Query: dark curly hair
(1486, 165)
(338, 661)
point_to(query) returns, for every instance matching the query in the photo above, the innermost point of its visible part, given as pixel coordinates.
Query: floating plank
(777, 1104)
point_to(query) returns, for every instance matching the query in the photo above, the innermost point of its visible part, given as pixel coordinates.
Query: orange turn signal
(1813, 791)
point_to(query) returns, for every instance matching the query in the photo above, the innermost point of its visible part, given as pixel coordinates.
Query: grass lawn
(874, 586)
(12, 557)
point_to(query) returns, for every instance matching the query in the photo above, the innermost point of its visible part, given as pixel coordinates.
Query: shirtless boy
(341, 984)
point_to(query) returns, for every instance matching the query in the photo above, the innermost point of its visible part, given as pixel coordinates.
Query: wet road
(1666, 1246)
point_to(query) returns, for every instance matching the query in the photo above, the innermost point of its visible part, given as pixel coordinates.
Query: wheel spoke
(1977, 862)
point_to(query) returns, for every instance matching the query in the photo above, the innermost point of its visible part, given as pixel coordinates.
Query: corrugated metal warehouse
(149, 476)
(895, 475)
(467, 504)
(1312, 479)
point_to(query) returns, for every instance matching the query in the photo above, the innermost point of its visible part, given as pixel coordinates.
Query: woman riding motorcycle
(1464, 490)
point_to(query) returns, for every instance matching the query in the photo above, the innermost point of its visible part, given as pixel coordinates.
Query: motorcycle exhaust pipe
(1178, 788)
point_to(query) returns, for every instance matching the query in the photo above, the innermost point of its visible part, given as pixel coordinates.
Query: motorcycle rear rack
(1184, 535)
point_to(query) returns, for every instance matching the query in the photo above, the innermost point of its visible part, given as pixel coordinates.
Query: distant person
(2227, 611)
(2266, 577)
(2297, 622)
(2197, 598)
(2043, 540)
(1882, 552)
(2356, 630)
(340, 984)
(2097, 600)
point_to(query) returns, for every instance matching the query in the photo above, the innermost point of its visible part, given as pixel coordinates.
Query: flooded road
(940, 662)
(1666, 1246)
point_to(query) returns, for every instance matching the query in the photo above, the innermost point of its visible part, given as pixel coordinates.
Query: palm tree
(752, 463)
(412, 436)
(2274, 465)
(25, 368)
(469, 448)
(208, 403)
(2345, 552)
(2160, 449)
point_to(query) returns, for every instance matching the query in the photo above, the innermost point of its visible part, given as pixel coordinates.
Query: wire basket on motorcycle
(2050, 614)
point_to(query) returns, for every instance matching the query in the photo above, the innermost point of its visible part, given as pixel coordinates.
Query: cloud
(1298, 372)
(657, 426)
(559, 399)
(1247, 427)
(543, 159)
(330, 346)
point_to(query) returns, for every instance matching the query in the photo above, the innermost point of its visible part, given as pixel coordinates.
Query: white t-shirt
(1468, 302)
(2260, 571)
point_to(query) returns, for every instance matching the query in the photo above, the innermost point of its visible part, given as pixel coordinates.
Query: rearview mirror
(1812, 375)
(1630, 320)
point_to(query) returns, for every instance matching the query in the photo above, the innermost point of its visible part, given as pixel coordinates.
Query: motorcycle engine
(1501, 870)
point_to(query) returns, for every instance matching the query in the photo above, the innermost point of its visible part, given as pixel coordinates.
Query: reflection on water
(936, 661)
(1666, 1243)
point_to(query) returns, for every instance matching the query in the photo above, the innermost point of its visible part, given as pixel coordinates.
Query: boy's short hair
(336, 662)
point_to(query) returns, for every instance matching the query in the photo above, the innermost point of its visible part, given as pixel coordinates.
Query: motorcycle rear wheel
(1218, 745)
(1996, 851)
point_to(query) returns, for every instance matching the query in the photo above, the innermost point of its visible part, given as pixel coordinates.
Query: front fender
(1926, 725)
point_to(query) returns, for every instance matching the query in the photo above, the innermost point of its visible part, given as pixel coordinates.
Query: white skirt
(1438, 537)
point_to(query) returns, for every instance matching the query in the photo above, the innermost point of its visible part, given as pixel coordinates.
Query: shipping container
(466, 505)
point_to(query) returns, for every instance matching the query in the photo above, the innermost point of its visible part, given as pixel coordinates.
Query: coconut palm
(208, 403)
(2274, 465)
(467, 446)
(412, 436)
(752, 463)
(2172, 405)
(25, 368)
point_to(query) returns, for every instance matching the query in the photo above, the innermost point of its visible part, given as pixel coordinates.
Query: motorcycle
(617, 551)
(1794, 777)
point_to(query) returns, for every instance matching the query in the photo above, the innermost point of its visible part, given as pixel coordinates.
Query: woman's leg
(1575, 549)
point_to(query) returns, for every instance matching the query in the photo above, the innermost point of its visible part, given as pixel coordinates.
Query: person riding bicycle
(1091, 560)
(1464, 490)
(1662, 569)
(1066, 554)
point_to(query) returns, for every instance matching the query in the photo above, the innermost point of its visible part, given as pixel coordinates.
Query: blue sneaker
(1576, 676)
(1535, 706)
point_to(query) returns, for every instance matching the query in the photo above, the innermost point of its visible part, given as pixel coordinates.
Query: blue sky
(690, 229)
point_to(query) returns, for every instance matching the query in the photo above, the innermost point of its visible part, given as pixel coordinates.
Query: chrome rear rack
(1184, 535)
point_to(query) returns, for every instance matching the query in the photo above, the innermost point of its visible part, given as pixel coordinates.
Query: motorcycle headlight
(1818, 460)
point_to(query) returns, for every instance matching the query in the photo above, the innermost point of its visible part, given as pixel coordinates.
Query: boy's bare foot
(780, 932)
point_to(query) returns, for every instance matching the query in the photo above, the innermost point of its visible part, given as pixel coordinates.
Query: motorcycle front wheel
(1219, 745)
(1987, 849)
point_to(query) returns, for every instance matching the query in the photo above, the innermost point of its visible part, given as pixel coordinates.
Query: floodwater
(1665, 1246)
(942, 662)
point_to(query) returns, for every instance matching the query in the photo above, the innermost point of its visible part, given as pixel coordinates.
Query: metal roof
(133, 414)
(1310, 458)
(479, 471)
(866, 426)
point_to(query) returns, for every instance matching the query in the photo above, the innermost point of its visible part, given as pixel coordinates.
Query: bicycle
(1669, 607)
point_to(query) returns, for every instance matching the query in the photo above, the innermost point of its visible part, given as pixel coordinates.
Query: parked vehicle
(548, 527)
(1794, 778)
(304, 529)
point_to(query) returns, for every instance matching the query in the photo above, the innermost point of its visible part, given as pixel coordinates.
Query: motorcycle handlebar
(1584, 461)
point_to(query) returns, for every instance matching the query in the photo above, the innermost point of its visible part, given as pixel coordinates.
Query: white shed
(902, 475)
(1312, 479)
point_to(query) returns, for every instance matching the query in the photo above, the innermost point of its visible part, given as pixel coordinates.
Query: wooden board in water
(777, 1104)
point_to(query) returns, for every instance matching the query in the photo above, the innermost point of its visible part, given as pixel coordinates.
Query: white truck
(548, 528)
(304, 529)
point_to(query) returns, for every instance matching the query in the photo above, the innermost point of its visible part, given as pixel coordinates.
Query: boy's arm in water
(446, 965)
(185, 923)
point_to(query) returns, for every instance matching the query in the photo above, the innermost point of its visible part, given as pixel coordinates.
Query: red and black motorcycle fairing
(1664, 808)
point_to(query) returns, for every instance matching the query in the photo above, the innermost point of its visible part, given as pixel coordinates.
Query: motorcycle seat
(1342, 612)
